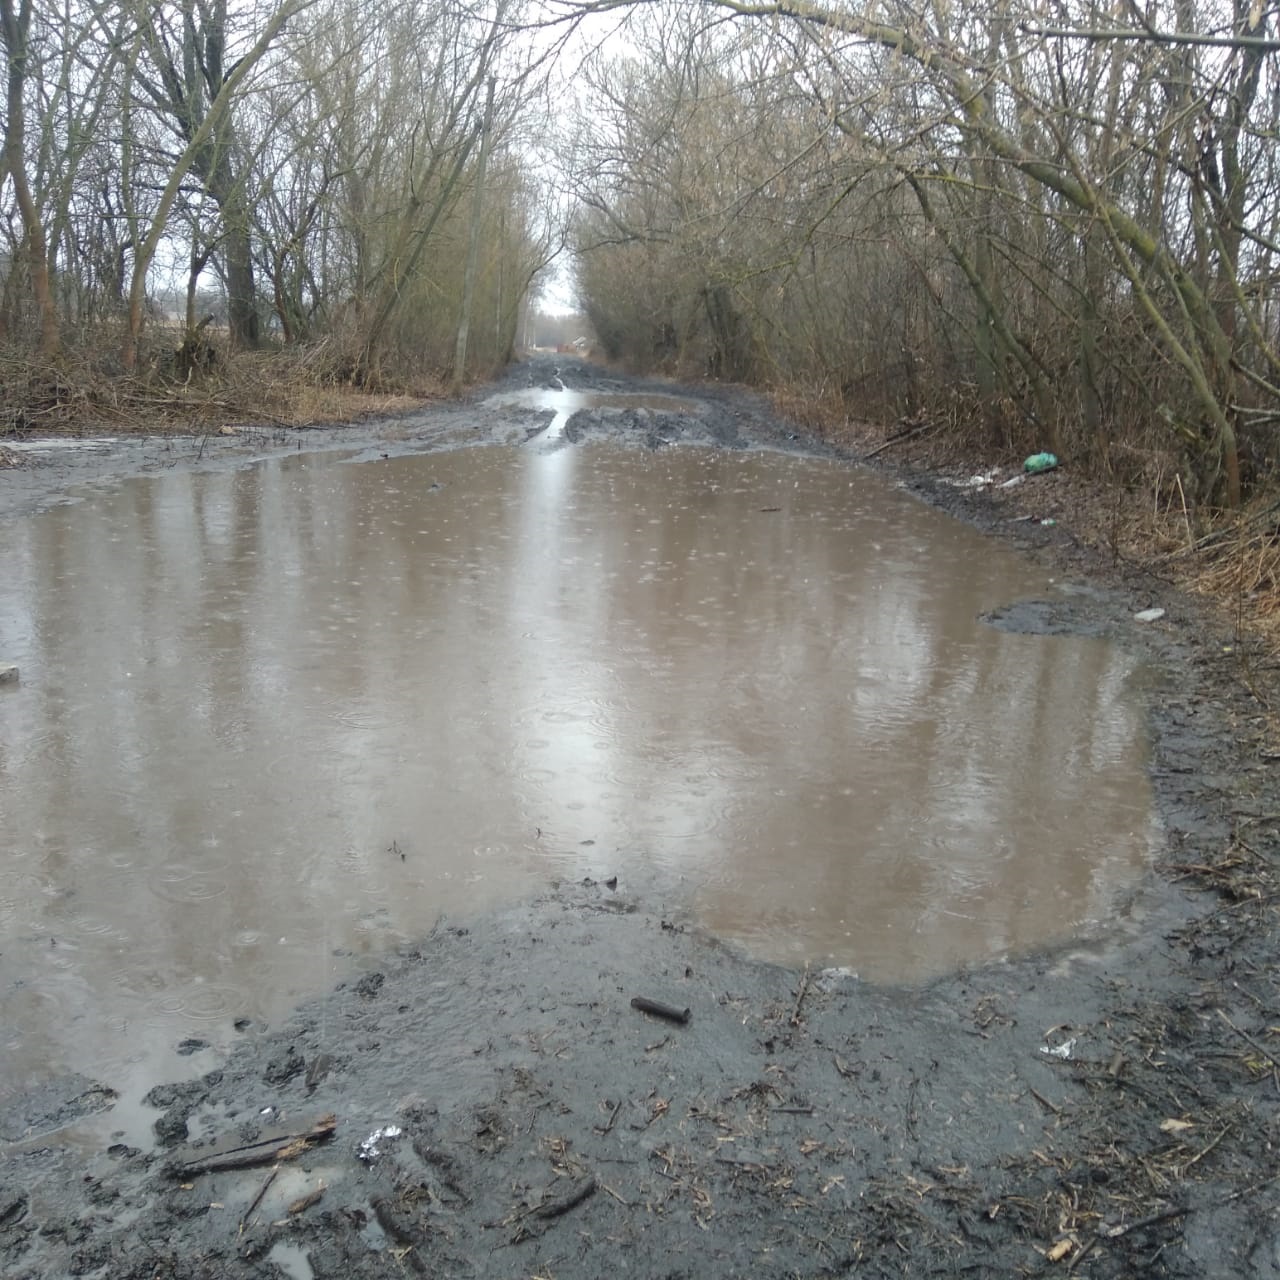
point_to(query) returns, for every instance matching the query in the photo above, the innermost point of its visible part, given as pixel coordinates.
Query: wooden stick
(660, 1010)
(570, 1200)
(613, 1119)
(898, 439)
(1044, 1102)
(1151, 1220)
(1081, 1254)
(1196, 1158)
(257, 1200)
(281, 1147)
(303, 1203)
(800, 995)
(1244, 1035)
(1186, 519)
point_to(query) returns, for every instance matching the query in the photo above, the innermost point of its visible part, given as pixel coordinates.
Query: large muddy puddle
(274, 721)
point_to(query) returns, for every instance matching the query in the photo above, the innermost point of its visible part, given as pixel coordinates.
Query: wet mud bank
(489, 1101)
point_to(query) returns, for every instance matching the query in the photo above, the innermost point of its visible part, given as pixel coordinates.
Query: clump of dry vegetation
(83, 392)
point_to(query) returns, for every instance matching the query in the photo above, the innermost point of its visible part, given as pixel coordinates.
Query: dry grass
(1240, 561)
(815, 410)
(83, 392)
(292, 391)
(1231, 559)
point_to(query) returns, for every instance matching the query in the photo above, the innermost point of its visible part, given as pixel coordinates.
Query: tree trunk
(16, 29)
(473, 247)
(237, 256)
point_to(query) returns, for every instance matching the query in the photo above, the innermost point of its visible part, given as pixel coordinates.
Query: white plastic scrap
(369, 1149)
(974, 482)
(1064, 1050)
(828, 980)
(1148, 615)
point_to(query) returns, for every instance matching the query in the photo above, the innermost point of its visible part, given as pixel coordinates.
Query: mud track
(1111, 1109)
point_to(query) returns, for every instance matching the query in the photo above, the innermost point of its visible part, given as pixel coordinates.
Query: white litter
(828, 980)
(369, 1148)
(1148, 615)
(1063, 1050)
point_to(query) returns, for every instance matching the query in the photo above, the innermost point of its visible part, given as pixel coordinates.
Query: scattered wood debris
(266, 1151)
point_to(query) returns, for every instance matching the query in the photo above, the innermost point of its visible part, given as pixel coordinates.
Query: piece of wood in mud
(1245, 1036)
(247, 1155)
(660, 1010)
(800, 995)
(319, 1067)
(257, 1200)
(1045, 1103)
(576, 1194)
(613, 1118)
(303, 1203)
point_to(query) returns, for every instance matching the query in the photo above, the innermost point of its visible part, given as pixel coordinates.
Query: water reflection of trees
(251, 683)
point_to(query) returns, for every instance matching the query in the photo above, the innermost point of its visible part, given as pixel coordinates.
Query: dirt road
(498, 1106)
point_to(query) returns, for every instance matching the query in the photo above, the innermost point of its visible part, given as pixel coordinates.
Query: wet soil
(1110, 1108)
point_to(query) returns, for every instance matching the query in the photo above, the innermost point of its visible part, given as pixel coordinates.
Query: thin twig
(1044, 1102)
(1151, 1220)
(1197, 1158)
(1082, 1254)
(1186, 519)
(257, 1200)
(800, 995)
(898, 439)
(612, 1119)
(1244, 1035)
(571, 1199)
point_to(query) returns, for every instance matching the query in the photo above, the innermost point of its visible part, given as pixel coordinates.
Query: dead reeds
(85, 392)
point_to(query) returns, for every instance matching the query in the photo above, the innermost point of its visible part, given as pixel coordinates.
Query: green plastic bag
(1039, 462)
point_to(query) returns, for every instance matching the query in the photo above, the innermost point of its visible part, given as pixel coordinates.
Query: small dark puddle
(274, 721)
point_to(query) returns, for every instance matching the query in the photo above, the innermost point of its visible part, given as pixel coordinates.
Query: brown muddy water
(274, 721)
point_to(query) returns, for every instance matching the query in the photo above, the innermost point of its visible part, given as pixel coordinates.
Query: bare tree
(195, 152)
(15, 25)
(1104, 198)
